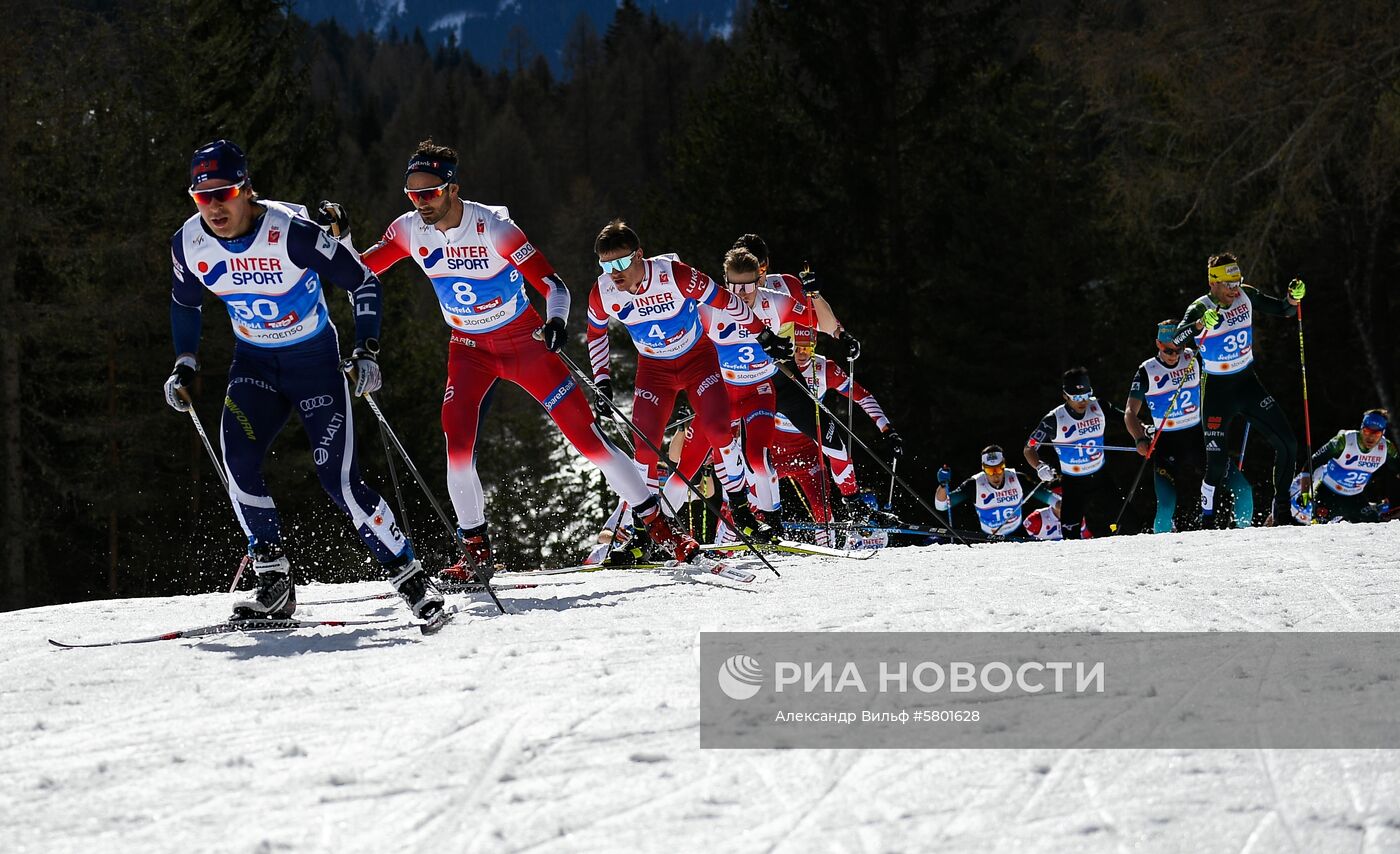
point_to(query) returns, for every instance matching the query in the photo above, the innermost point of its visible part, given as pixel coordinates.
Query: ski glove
(181, 378)
(1296, 289)
(776, 346)
(603, 400)
(1046, 473)
(852, 345)
(333, 218)
(363, 367)
(945, 476)
(894, 443)
(809, 282)
(1210, 319)
(552, 334)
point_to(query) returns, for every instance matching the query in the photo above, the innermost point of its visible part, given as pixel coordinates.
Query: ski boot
(274, 597)
(773, 521)
(475, 566)
(740, 517)
(416, 587)
(663, 533)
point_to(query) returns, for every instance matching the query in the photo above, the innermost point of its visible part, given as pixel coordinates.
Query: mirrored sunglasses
(204, 198)
(742, 287)
(1080, 398)
(426, 194)
(617, 265)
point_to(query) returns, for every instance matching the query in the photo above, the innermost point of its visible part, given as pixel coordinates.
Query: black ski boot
(416, 586)
(742, 519)
(274, 597)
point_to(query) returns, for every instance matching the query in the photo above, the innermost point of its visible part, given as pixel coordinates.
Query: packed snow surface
(571, 723)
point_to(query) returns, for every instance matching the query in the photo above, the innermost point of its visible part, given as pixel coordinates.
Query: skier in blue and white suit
(267, 262)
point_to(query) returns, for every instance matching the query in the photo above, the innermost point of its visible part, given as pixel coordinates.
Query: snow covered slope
(571, 723)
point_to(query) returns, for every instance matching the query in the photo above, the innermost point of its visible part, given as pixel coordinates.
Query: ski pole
(387, 431)
(821, 451)
(1244, 445)
(894, 464)
(1090, 445)
(1305, 498)
(907, 488)
(663, 459)
(219, 470)
(1152, 446)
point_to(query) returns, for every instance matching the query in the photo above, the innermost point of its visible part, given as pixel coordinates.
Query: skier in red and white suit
(797, 413)
(797, 457)
(658, 301)
(748, 372)
(478, 261)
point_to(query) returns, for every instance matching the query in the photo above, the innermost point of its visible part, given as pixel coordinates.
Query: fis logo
(274, 236)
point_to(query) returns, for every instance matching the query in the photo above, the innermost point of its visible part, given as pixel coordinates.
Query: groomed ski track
(571, 724)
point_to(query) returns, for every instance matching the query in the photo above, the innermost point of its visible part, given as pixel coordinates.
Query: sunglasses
(619, 264)
(1168, 350)
(994, 471)
(1080, 398)
(204, 198)
(742, 287)
(427, 194)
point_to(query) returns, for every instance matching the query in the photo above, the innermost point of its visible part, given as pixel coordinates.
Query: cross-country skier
(996, 493)
(798, 413)
(267, 262)
(1169, 384)
(1075, 430)
(802, 288)
(1347, 465)
(658, 301)
(749, 373)
(479, 262)
(1222, 325)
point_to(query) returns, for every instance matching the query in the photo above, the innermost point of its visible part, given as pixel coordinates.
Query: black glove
(603, 401)
(553, 335)
(181, 379)
(775, 345)
(852, 345)
(809, 282)
(364, 363)
(894, 443)
(333, 218)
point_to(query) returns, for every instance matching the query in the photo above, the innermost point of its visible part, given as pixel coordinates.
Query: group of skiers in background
(742, 349)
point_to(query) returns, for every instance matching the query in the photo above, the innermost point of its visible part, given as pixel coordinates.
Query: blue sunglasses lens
(1080, 398)
(618, 265)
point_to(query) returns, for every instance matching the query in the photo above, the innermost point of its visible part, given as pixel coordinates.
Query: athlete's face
(432, 197)
(996, 475)
(802, 354)
(229, 213)
(1078, 407)
(1225, 293)
(743, 284)
(1370, 438)
(628, 279)
(1168, 355)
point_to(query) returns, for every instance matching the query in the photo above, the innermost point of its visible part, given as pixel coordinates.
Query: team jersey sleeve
(795, 311)
(963, 493)
(1044, 431)
(313, 249)
(839, 380)
(599, 350)
(1269, 304)
(186, 301)
(390, 250)
(695, 285)
(1186, 329)
(1331, 450)
(1138, 390)
(512, 244)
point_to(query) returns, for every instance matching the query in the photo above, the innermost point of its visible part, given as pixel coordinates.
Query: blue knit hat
(218, 159)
